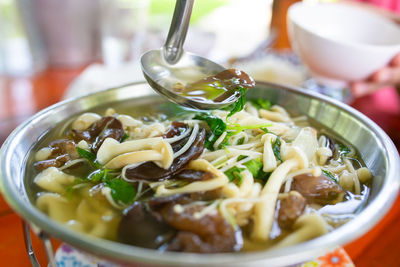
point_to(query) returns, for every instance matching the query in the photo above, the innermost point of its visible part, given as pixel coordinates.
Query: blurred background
(54, 49)
(37, 34)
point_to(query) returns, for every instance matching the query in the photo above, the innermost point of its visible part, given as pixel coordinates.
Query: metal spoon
(165, 67)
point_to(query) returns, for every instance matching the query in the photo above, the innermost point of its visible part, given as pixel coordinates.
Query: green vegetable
(234, 174)
(265, 130)
(91, 157)
(276, 147)
(240, 141)
(330, 175)
(121, 191)
(261, 103)
(255, 167)
(124, 137)
(343, 150)
(237, 128)
(239, 104)
(101, 175)
(216, 125)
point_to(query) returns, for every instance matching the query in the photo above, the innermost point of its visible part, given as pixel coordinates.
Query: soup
(204, 182)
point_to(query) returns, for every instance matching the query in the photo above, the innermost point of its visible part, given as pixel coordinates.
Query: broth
(193, 209)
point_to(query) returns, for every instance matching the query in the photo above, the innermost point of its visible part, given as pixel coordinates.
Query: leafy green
(343, 150)
(86, 154)
(91, 157)
(234, 174)
(240, 141)
(276, 147)
(121, 191)
(254, 166)
(124, 137)
(330, 175)
(261, 103)
(216, 125)
(101, 175)
(265, 130)
(237, 128)
(239, 104)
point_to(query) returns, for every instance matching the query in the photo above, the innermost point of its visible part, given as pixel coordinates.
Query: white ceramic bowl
(341, 42)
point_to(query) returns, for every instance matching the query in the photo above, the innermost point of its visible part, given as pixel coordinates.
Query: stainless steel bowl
(375, 147)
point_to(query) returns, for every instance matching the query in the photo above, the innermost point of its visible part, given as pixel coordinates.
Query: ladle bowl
(169, 65)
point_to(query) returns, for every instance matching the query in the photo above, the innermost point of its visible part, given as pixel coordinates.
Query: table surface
(21, 97)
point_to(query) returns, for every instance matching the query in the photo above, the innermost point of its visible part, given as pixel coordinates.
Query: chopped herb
(240, 141)
(91, 157)
(124, 137)
(121, 191)
(254, 166)
(265, 130)
(276, 147)
(210, 140)
(86, 154)
(343, 150)
(225, 142)
(241, 157)
(237, 128)
(239, 104)
(216, 125)
(330, 175)
(261, 103)
(101, 175)
(234, 174)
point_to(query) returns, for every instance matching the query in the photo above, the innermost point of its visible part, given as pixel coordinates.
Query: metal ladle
(165, 67)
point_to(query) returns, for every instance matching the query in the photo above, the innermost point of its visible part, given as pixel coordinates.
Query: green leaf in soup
(216, 125)
(330, 175)
(343, 150)
(276, 147)
(91, 157)
(261, 103)
(234, 174)
(101, 175)
(121, 191)
(239, 104)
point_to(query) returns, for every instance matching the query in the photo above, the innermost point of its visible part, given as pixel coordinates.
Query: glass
(123, 30)
(15, 52)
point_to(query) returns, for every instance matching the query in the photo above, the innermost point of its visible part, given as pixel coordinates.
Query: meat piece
(139, 227)
(150, 171)
(319, 190)
(227, 80)
(210, 233)
(176, 129)
(291, 207)
(62, 150)
(192, 175)
(99, 131)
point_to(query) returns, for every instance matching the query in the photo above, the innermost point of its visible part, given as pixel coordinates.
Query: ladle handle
(177, 31)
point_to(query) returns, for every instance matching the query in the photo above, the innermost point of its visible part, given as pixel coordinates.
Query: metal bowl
(375, 147)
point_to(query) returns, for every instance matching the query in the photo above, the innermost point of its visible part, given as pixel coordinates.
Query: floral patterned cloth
(67, 256)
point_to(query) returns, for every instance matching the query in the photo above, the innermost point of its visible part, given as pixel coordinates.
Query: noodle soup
(204, 182)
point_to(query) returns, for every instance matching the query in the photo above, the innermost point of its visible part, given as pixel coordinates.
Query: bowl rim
(364, 221)
(354, 45)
